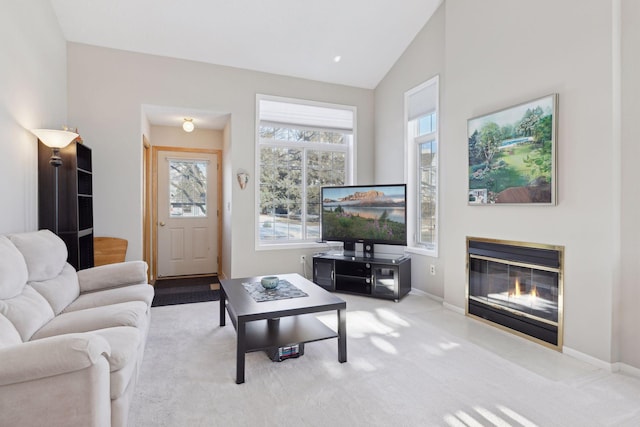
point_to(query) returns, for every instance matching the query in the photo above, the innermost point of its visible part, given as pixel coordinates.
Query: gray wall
(496, 53)
(107, 89)
(33, 94)
(628, 296)
(423, 59)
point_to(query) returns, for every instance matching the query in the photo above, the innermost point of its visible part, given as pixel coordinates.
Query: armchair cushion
(13, 270)
(131, 313)
(8, 333)
(124, 342)
(112, 276)
(61, 290)
(112, 296)
(64, 354)
(44, 252)
(28, 312)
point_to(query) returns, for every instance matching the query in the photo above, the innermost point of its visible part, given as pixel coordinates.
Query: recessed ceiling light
(337, 58)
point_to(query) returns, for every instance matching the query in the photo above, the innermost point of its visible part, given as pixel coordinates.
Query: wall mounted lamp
(56, 139)
(187, 125)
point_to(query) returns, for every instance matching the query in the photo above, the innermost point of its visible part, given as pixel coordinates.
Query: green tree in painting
(529, 121)
(489, 143)
(475, 156)
(539, 162)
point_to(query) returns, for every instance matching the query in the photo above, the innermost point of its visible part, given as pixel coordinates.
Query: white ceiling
(297, 38)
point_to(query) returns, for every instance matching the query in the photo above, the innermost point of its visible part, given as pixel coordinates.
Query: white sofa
(71, 343)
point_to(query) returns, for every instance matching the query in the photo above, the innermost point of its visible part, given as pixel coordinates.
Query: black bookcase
(75, 200)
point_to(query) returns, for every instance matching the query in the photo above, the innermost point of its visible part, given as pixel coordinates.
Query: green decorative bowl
(269, 282)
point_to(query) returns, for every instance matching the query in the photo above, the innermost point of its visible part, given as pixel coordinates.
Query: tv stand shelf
(388, 278)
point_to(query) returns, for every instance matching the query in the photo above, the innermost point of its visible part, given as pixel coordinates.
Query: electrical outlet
(432, 269)
(303, 258)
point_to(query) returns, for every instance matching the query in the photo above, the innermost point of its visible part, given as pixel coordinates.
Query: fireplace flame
(534, 291)
(516, 288)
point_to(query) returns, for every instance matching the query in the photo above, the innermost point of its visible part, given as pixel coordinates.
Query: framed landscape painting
(512, 154)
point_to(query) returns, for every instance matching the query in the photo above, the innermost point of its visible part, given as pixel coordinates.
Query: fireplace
(517, 286)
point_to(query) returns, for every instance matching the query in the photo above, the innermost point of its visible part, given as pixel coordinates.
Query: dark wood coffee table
(282, 323)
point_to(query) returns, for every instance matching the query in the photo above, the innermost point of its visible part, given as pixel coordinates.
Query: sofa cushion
(8, 333)
(60, 291)
(142, 293)
(28, 312)
(124, 314)
(44, 252)
(13, 270)
(124, 342)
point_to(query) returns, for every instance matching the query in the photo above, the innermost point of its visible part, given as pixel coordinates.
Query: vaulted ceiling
(298, 38)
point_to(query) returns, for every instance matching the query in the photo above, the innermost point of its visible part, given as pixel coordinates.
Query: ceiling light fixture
(337, 58)
(187, 125)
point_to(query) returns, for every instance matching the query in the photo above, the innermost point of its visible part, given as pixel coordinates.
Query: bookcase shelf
(75, 200)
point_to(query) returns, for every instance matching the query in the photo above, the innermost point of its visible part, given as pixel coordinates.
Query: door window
(188, 188)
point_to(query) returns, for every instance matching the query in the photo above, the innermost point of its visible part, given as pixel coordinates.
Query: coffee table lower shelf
(286, 331)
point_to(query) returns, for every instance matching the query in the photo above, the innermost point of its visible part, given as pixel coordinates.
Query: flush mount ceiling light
(337, 58)
(187, 125)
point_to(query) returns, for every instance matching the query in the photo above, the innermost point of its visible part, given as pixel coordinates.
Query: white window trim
(411, 171)
(349, 179)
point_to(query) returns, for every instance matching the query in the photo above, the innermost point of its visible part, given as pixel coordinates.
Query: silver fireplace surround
(517, 286)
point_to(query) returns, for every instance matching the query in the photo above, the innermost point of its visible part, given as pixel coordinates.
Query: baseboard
(454, 308)
(420, 292)
(609, 367)
(627, 369)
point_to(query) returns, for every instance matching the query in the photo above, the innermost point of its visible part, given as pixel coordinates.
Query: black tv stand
(388, 278)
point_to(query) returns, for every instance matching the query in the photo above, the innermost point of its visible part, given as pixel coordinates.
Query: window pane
(428, 170)
(187, 188)
(323, 168)
(427, 124)
(280, 193)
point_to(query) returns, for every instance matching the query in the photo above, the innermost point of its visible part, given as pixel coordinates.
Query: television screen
(365, 213)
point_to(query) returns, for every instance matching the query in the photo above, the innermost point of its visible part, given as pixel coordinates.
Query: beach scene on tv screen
(364, 213)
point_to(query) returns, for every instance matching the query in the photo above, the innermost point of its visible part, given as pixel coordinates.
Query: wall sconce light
(187, 125)
(56, 139)
(243, 178)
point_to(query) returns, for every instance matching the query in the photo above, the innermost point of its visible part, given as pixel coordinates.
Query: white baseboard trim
(627, 369)
(589, 359)
(426, 294)
(454, 308)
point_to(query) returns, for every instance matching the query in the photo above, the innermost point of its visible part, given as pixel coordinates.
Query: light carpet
(411, 363)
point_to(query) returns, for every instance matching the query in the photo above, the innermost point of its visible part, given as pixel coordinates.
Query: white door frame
(218, 153)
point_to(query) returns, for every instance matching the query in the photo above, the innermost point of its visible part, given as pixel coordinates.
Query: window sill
(422, 251)
(286, 246)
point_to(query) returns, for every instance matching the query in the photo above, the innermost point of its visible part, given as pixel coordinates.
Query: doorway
(187, 223)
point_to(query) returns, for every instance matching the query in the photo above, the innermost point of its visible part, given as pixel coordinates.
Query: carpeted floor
(412, 363)
(186, 290)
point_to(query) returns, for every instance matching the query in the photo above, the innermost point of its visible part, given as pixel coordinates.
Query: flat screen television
(369, 214)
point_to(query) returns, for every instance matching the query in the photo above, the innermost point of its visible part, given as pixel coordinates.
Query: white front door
(187, 213)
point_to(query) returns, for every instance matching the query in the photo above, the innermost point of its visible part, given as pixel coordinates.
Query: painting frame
(511, 155)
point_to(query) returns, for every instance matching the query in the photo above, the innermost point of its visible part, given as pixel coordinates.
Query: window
(301, 146)
(421, 112)
(187, 188)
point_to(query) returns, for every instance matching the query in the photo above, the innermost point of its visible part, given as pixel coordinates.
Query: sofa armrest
(51, 356)
(112, 276)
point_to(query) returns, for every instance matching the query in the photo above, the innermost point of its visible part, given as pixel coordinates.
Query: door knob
(162, 224)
